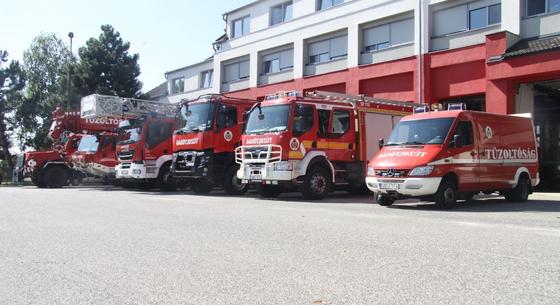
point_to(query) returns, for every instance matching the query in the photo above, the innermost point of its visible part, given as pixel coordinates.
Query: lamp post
(69, 83)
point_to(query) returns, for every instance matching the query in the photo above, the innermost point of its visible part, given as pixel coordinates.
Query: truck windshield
(196, 117)
(129, 135)
(88, 144)
(268, 119)
(420, 132)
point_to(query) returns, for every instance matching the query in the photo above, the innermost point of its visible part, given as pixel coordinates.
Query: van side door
(463, 150)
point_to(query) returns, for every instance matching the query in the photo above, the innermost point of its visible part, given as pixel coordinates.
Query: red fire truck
(144, 143)
(210, 130)
(53, 168)
(96, 155)
(443, 156)
(315, 142)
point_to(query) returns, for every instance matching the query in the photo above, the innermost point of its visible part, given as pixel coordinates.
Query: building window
(241, 27)
(236, 71)
(281, 13)
(537, 7)
(325, 4)
(178, 85)
(485, 16)
(327, 50)
(206, 79)
(277, 62)
(473, 15)
(387, 35)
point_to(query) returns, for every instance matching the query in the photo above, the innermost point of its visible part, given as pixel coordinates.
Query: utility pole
(68, 82)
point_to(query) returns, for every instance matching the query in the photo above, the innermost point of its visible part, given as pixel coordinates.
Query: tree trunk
(5, 143)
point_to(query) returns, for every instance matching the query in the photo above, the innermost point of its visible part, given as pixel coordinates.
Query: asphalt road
(113, 246)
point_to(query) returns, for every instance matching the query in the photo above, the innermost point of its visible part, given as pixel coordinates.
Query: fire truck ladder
(355, 100)
(96, 105)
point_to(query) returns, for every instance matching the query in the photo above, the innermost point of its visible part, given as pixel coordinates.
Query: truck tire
(446, 195)
(55, 177)
(384, 200)
(201, 186)
(269, 191)
(520, 193)
(145, 185)
(165, 180)
(233, 185)
(316, 184)
(38, 181)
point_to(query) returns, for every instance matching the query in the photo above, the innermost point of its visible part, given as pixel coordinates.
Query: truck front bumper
(136, 171)
(96, 169)
(192, 164)
(418, 186)
(271, 173)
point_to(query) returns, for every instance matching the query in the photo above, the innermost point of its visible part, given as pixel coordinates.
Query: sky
(167, 34)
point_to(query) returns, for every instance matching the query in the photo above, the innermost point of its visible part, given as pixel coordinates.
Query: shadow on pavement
(488, 206)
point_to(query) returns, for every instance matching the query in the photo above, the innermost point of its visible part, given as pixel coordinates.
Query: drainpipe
(420, 54)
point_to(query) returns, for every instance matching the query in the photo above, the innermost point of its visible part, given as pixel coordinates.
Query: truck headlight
(283, 166)
(370, 171)
(422, 171)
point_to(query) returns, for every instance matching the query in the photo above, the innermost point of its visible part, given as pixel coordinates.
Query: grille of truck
(185, 162)
(125, 155)
(258, 154)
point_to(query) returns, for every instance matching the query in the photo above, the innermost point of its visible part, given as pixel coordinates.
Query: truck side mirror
(381, 143)
(457, 139)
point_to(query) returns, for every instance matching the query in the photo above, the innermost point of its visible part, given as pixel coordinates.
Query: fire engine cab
(448, 155)
(210, 129)
(313, 143)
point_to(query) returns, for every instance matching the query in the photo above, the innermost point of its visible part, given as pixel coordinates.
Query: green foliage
(12, 82)
(106, 67)
(45, 62)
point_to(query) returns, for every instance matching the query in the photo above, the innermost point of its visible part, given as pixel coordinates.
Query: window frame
(312, 112)
(386, 44)
(239, 78)
(174, 85)
(318, 5)
(487, 17)
(234, 34)
(471, 138)
(546, 9)
(231, 110)
(203, 79)
(468, 11)
(330, 57)
(283, 7)
(330, 132)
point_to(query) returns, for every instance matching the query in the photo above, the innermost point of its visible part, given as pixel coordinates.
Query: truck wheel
(446, 195)
(201, 186)
(520, 193)
(56, 177)
(165, 180)
(316, 184)
(269, 191)
(384, 200)
(38, 181)
(233, 185)
(144, 185)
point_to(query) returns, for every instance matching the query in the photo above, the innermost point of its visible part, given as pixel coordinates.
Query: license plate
(255, 177)
(189, 163)
(125, 172)
(389, 186)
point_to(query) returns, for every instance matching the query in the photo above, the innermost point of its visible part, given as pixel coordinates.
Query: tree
(45, 62)
(106, 67)
(12, 82)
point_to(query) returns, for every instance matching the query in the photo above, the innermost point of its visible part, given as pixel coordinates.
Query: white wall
(192, 81)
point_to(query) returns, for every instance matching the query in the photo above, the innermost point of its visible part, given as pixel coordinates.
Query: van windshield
(420, 132)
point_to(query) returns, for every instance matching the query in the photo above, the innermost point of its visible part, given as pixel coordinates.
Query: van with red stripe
(444, 156)
(313, 143)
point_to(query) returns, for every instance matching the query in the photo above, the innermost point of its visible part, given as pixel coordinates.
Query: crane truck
(315, 142)
(53, 168)
(144, 141)
(209, 129)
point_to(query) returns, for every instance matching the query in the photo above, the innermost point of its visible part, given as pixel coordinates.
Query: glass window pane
(276, 15)
(553, 5)
(246, 27)
(338, 47)
(477, 18)
(376, 35)
(324, 4)
(535, 7)
(495, 14)
(341, 122)
(237, 28)
(337, 2)
(288, 12)
(244, 69)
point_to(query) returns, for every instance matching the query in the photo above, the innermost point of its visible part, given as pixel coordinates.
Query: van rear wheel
(446, 195)
(520, 193)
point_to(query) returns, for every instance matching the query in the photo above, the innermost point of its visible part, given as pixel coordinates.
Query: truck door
(227, 128)
(158, 139)
(464, 154)
(341, 135)
(303, 129)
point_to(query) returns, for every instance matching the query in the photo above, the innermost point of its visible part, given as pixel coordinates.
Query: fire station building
(498, 56)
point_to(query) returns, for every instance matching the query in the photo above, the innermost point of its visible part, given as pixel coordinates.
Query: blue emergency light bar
(457, 106)
(421, 109)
